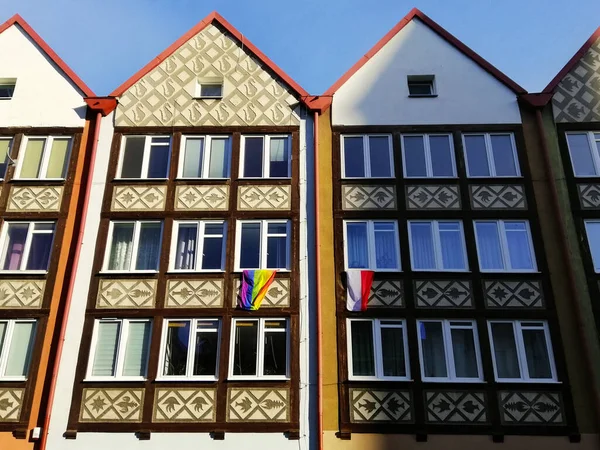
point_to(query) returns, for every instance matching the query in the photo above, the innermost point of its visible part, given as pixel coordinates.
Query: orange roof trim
(212, 17)
(574, 60)
(442, 33)
(18, 20)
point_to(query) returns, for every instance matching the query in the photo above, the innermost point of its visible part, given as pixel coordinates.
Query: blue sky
(314, 41)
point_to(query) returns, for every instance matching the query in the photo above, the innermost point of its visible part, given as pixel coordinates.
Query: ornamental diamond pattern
(432, 197)
(34, 198)
(201, 198)
(11, 401)
(589, 196)
(258, 405)
(359, 197)
(455, 407)
(497, 196)
(184, 405)
(527, 408)
(126, 294)
(513, 294)
(577, 96)
(139, 198)
(111, 405)
(21, 293)
(371, 405)
(251, 95)
(207, 293)
(264, 197)
(443, 294)
(278, 295)
(386, 294)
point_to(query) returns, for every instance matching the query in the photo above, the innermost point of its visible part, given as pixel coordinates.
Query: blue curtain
(488, 246)
(385, 246)
(451, 241)
(423, 254)
(357, 245)
(519, 249)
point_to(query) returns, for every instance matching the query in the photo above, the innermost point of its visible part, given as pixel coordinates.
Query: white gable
(44, 95)
(377, 94)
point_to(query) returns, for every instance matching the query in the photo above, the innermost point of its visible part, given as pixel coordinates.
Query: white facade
(377, 94)
(44, 96)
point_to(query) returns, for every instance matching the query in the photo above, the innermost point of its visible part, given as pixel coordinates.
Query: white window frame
(146, 159)
(266, 155)
(5, 348)
(264, 235)
(8, 82)
(490, 155)
(191, 350)
(371, 244)
(260, 353)
(47, 150)
(215, 82)
(8, 159)
(447, 327)
(206, 153)
(594, 147)
(587, 237)
(377, 326)
(367, 155)
(437, 246)
(137, 225)
(200, 236)
(504, 246)
(428, 160)
(520, 347)
(28, 239)
(421, 80)
(121, 348)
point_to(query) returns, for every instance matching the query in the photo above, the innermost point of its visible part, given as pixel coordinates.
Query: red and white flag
(359, 288)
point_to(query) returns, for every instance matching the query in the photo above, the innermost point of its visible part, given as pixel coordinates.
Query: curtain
(176, 351)
(357, 246)
(41, 247)
(422, 251)
(441, 156)
(392, 352)
(105, 356)
(136, 351)
(363, 355)
(432, 346)
(278, 158)
(519, 250)
(159, 159)
(121, 247)
(149, 247)
(488, 246)
(246, 346)
(185, 258)
(354, 157)
(477, 160)
(379, 156)
(536, 352)
(57, 164)
(4, 152)
(414, 156)
(253, 157)
(593, 235)
(192, 161)
(218, 167)
(19, 354)
(133, 157)
(15, 245)
(581, 155)
(505, 350)
(32, 160)
(465, 357)
(504, 157)
(385, 246)
(453, 257)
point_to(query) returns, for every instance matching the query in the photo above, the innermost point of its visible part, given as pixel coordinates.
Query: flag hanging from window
(255, 284)
(359, 288)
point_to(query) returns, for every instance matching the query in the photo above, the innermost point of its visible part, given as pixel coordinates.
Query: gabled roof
(18, 20)
(416, 13)
(574, 60)
(212, 17)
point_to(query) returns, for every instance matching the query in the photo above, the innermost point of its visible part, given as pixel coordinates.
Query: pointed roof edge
(216, 17)
(18, 20)
(576, 57)
(415, 12)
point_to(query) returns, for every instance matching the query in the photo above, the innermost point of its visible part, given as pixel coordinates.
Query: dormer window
(209, 88)
(7, 88)
(421, 86)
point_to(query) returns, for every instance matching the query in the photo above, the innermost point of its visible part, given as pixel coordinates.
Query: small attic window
(209, 88)
(7, 88)
(421, 85)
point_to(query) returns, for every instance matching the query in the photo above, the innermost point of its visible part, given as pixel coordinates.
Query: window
(43, 157)
(372, 244)
(204, 157)
(27, 245)
(584, 149)
(522, 351)
(259, 349)
(133, 246)
(16, 344)
(421, 85)
(265, 157)
(145, 157)
(428, 156)
(5, 150)
(7, 88)
(504, 246)
(190, 349)
(378, 350)
(449, 350)
(437, 245)
(210, 87)
(491, 155)
(263, 244)
(367, 156)
(198, 245)
(592, 230)
(119, 349)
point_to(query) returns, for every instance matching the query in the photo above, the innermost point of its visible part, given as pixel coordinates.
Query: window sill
(422, 95)
(201, 179)
(140, 179)
(23, 272)
(258, 268)
(186, 379)
(128, 272)
(441, 270)
(495, 177)
(114, 380)
(263, 178)
(13, 379)
(208, 98)
(399, 270)
(452, 177)
(368, 178)
(54, 180)
(383, 380)
(233, 378)
(532, 272)
(446, 380)
(191, 272)
(512, 380)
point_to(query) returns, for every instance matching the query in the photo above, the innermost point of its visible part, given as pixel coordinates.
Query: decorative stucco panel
(251, 95)
(386, 294)
(443, 294)
(11, 402)
(264, 197)
(589, 196)
(360, 197)
(35, 198)
(111, 405)
(278, 295)
(432, 197)
(184, 405)
(201, 198)
(456, 407)
(531, 408)
(374, 405)
(207, 293)
(513, 294)
(139, 198)
(258, 405)
(497, 196)
(126, 294)
(21, 293)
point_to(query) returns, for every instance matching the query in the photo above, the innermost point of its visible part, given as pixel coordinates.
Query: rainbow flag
(255, 284)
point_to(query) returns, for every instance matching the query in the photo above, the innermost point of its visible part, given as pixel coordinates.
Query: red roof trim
(445, 35)
(576, 57)
(18, 20)
(212, 17)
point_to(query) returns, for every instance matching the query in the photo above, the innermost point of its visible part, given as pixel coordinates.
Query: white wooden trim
(46, 151)
(206, 155)
(372, 265)
(263, 240)
(437, 246)
(266, 152)
(490, 156)
(135, 245)
(146, 155)
(428, 159)
(366, 155)
(27, 245)
(5, 348)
